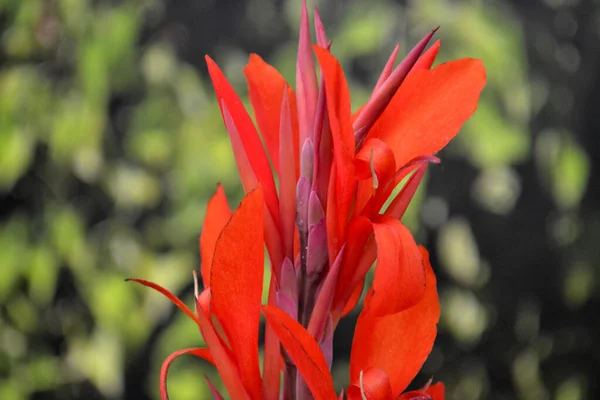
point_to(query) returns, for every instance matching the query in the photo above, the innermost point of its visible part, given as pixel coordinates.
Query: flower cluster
(331, 216)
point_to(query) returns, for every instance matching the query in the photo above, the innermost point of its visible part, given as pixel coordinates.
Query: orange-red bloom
(387, 352)
(325, 223)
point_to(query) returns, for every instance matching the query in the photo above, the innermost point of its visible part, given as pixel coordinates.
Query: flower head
(317, 178)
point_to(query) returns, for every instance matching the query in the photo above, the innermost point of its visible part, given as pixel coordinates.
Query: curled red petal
(236, 284)
(304, 351)
(217, 215)
(372, 384)
(174, 299)
(203, 353)
(399, 343)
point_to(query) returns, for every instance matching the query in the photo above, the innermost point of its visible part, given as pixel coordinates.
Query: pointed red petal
(429, 109)
(427, 59)
(307, 88)
(399, 343)
(247, 132)
(304, 351)
(399, 205)
(164, 369)
(236, 285)
(387, 69)
(287, 179)
(168, 295)
(338, 106)
(265, 89)
(381, 98)
(217, 215)
(213, 390)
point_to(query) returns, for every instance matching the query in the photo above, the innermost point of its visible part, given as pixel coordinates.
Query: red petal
(374, 384)
(354, 297)
(213, 390)
(338, 106)
(287, 179)
(307, 88)
(168, 295)
(272, 356)
(399, 281)
(437, 391)
(304, 351)
(433, 392)
(247, 132)
(236, 285)
(217, 215)
(225, 365)
(399, 343)
(164, 369)
(426, 60)
(358, 233)
(399, 205)
(429, 108)
(265, 89)
(376, 166)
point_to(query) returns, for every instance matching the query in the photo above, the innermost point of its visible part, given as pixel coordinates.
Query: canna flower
(325, 224)
(318, 177)
(387, 352)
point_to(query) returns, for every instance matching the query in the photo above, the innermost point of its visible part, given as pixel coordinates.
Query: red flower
(324, 224)
(387, 352)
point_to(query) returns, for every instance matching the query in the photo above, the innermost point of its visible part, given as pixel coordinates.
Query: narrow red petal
(399, 205)
(272, 355)
(287, 178)
(217, 215)
(399, 343)
(338, 106)
(236, 285)
(306, 80)
(249, 137)
(304, 351)
(226, 366)
(213, 390)
(387, 69)
(427, 58)
(266, 89)
(174, 299)
(429, 109)
(164, 369)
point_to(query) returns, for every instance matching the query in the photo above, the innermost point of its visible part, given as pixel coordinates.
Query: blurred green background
(111, 144)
